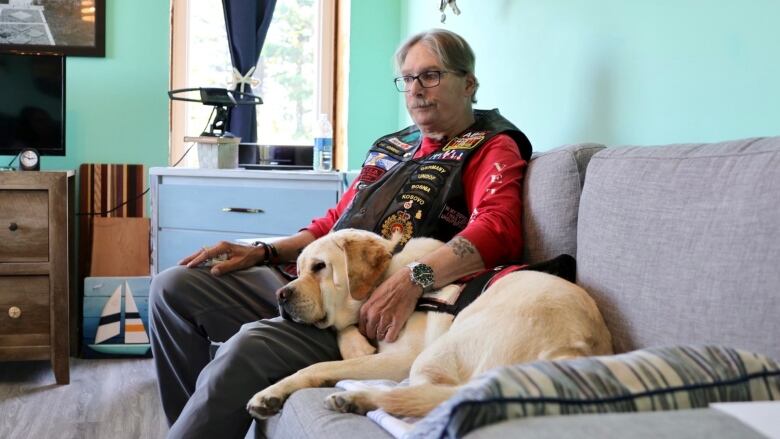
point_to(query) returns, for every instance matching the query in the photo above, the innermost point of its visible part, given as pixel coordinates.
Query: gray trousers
(190, 308)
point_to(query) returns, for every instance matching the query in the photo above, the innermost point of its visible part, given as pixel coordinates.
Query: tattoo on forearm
(461, 247)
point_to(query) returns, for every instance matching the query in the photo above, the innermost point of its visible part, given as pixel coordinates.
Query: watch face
(422, 275)
(29, 159)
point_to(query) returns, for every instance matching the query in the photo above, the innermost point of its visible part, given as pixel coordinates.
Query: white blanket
(397, 427)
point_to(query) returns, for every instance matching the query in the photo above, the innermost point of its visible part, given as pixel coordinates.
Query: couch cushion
(654, 379)
(683, 424)
(680, 244)
(305, 416)
(551, 196)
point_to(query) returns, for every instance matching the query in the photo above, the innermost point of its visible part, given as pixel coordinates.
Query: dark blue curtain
(247, 23)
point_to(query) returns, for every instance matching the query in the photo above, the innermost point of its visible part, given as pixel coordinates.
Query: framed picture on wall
(55, 27)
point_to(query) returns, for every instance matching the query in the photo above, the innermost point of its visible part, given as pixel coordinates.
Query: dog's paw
(264, 405)
(358, 349)
(347, 402)
(352, 344)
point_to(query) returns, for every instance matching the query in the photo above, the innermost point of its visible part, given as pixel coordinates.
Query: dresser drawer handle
(14, 312)
(13, 226)
(242, 210)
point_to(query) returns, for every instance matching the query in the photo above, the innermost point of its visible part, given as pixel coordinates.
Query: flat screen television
(32, 103)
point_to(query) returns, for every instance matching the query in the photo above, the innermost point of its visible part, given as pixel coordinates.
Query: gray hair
(452, 50)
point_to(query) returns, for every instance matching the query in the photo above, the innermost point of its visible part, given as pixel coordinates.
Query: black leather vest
(424, 196)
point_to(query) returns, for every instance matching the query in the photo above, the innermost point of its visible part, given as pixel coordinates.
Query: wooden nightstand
(35, 284)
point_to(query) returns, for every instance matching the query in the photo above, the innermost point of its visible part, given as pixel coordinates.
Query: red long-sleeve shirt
(492, 184)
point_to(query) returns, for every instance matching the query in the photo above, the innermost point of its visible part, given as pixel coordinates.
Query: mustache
(419, 104)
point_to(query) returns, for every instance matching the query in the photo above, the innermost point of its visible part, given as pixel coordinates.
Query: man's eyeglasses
(428, 79)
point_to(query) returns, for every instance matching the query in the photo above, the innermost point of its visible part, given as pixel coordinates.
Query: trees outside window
(286, 73)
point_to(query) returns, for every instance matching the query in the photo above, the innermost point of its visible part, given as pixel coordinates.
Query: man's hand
(237, 257)
(384, 314)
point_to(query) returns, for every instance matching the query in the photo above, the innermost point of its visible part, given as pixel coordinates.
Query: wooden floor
(114, 399)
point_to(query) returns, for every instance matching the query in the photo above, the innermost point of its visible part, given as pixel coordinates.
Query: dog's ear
(366, 261)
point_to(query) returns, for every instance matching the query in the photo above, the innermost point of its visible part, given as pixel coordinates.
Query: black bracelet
(271, 254)
(274, 257)
(266, 252)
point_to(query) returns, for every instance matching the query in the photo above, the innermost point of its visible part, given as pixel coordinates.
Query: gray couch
(678, 244)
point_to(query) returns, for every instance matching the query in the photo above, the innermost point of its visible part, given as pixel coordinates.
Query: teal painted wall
(621, 72)
(373, 100)
(117, 106)
(565, 71)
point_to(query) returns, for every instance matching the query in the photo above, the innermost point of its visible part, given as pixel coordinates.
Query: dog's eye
(317, 267)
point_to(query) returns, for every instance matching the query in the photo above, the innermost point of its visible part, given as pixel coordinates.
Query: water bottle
(323, 144)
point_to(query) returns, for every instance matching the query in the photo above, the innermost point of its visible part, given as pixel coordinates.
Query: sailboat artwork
(107, 337)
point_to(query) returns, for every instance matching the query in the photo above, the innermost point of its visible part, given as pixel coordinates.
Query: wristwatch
(421, 275)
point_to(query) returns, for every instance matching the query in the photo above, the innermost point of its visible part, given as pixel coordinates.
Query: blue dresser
(196, 207)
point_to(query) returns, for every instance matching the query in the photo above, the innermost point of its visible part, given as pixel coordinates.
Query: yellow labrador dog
(524, 316)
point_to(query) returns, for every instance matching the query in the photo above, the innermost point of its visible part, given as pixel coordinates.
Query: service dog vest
(423, 196)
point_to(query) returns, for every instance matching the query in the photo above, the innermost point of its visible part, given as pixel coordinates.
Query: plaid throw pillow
(667, 378)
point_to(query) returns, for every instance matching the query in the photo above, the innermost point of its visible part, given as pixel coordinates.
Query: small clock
(29, 160)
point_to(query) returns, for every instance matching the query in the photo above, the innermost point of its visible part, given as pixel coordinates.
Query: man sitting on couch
(455, 175)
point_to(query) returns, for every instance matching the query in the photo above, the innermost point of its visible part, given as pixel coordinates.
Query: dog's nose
(283, 294)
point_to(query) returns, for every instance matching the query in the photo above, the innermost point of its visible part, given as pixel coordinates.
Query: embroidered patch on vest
(380, 160)
(426, 176)
(386, 145)
(447, 155)
(434, 168)
(370, 174)
(466, 141)
(398, 222)
(422, 188)
(397, 142)
(454, 217)
(421, 192)
(412, 198)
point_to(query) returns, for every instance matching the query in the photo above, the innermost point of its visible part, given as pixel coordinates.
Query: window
(294, 72)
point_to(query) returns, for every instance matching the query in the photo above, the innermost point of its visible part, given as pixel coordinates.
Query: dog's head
(336, 274)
